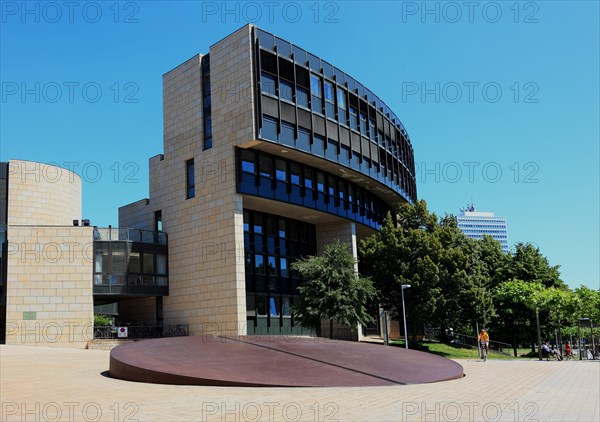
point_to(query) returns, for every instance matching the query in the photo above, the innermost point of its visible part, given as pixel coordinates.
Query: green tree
(494, 261)
(457, 282)
(332, 289)
(405, 254)
(465, 295)
(450, 283)
(560, 305)
(102, 320)
(587, 304)
(528, 264)
(515, 302)
(416, 217)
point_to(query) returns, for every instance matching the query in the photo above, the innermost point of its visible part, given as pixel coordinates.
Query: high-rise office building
(475, 224)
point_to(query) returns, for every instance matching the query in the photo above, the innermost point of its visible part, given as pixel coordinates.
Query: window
(287, 134)
(301, 97)
(331, 187)
(259, 266)
(343, 195)
(372, 131)
(207, 130)
(274, 307)
(250, 306)
(207, 112)
(161, 264)
(345, 154)
(286, 90)
(261, 308)
(363, 124)
(366, 165)
(269, 128)
(308, 176)
(285, 307)
(341, 101)
(248, 159)
(332, 150)
(158, 226)
(148, 263)
(353, 118)
(315, 91)
(303, 139)
(355, 161)
(320, 182)
(190, 179)
(280, 170)
(133, 266)
(267, 82)
(272, 265)
(295, 174)
(318, 146)
(265, 166)
(315, 85)
(329, 100)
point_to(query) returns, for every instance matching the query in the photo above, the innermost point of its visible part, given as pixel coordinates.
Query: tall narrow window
(301, 97)
(207, 112)
(158, 221)
(158, 227)
(363, 124)
(315, 91)
(353, 118)
(341, 101)
(190, 179)
(286, 90)
(329, 100)
(372, 131)
(268, 83)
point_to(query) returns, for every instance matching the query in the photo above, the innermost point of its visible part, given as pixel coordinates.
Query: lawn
(453, 351)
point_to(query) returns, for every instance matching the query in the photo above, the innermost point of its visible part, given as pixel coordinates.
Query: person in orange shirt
(484, 339)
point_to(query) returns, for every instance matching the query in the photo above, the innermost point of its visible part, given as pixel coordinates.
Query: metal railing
(131, 235)
(127, 331)
(131, 284)
(471, 341)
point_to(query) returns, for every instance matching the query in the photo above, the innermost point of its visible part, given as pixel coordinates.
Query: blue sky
(501, 99)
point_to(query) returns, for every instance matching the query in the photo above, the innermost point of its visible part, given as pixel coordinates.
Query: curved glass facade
(305, 103)
(272, 177)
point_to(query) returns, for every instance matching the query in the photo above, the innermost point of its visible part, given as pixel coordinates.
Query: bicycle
(484, 351)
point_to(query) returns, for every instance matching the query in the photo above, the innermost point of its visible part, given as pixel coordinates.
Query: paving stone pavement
(53, 384)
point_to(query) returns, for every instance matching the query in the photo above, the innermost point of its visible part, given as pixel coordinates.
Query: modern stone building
(45, 286)
(56, 270)
(269, 154)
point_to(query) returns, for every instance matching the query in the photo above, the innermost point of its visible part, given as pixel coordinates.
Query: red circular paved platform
(256, 361)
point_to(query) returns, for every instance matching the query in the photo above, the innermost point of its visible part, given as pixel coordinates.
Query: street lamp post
(404, 286)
